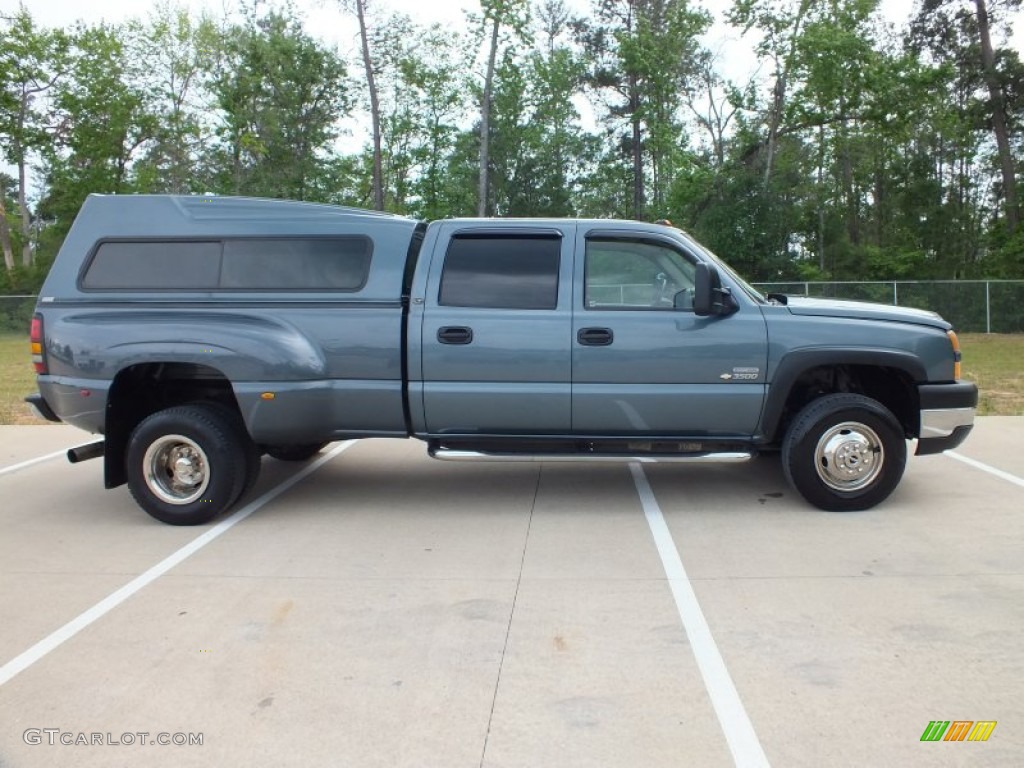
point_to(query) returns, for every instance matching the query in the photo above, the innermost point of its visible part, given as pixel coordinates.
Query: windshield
(747, 288)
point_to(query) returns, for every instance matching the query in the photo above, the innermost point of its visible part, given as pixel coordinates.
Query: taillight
(956, 354)
(35, 336)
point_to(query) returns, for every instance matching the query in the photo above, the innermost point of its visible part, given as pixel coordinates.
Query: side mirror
(709, 297)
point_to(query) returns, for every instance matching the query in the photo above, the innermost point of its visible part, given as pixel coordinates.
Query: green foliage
(431, 76)
(737, 217)
(640, 55)
(539, 152)
(32, 63)
(99, 111)
(280, 94)
(423, 95)
(856, 152)
(178, 52)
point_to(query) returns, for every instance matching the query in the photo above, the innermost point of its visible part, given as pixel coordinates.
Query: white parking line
(26, 659)
(739, 731)
(986, 468)
(31, 462)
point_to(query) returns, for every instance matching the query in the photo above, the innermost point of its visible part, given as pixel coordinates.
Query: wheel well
(892, 387)
(140, 390)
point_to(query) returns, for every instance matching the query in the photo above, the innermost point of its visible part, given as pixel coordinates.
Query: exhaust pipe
(86, 452)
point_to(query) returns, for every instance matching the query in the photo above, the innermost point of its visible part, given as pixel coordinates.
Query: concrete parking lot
(388, 610)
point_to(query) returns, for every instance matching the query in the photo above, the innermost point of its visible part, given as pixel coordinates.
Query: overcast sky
(324, 19)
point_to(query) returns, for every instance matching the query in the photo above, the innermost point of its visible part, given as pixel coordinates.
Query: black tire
(844, 453)
(253, 465)
(295, 452)
(212, 452)
(253, 455)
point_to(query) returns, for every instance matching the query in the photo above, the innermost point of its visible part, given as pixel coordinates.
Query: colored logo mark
(958, 730)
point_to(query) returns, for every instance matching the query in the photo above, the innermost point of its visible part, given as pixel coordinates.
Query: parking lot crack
(511, 614)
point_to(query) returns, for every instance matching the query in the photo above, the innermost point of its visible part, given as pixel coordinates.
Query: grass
(995, 362)
(17, 379)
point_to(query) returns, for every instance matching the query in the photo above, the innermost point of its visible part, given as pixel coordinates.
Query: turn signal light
(956, 354)
(36, 340)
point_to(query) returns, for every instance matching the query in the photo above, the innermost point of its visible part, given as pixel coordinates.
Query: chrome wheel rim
(177, 470)
(849, 456)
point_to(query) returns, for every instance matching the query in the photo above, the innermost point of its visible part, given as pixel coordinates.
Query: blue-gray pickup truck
(197, 333)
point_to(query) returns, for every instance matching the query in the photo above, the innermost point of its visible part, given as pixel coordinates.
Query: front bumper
(947, 415)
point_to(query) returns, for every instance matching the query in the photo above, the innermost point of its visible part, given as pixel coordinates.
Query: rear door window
(501, 272)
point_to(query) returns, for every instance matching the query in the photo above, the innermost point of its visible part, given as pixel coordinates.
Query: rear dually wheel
(186, 464)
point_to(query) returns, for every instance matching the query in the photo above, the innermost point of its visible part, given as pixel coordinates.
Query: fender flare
(793, 365)
(117, 431)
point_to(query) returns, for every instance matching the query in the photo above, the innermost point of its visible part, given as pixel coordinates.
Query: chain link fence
(972, 306)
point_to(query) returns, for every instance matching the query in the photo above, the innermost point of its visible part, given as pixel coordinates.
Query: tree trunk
(774, 120)
(26, 217)
(820, 193)
(779, 94)
(637, 150)
(236, 160)
(998, 120)
(378, 160)
(880, 194)
(5, 231)
(19, 153)
(485, 118)
(849, 190)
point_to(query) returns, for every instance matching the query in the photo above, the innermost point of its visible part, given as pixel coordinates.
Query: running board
(724, 457)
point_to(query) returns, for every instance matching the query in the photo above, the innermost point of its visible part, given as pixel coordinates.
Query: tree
(359, 8)
(5, 229)
(837, 60)
(539, 149)
(984, 87)
(999, 121)
(643, 53)
(433, 77)
(496, 14)
(713, 103)
(99, 120)
(176, 53)
(780, 26)
(32, 63)
(400, 45)
(280, 94)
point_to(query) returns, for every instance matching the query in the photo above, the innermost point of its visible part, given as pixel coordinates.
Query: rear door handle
(595, 337)
(455, 334)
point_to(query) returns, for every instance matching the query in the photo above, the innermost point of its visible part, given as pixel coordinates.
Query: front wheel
(844, 452)
(186, 464)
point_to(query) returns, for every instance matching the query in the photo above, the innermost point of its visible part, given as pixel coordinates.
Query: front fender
(794, 364)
